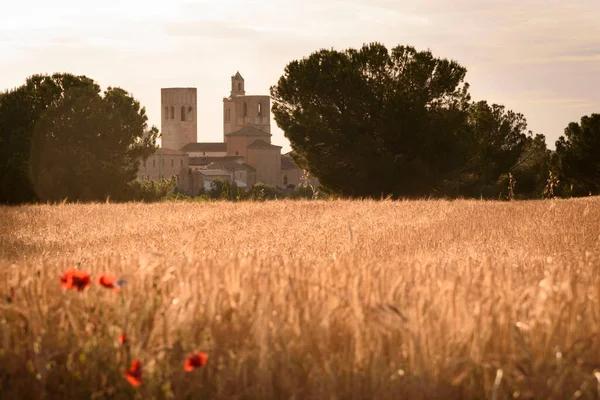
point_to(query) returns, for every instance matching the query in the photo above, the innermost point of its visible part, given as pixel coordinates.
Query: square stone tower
(179, 124)
(242, 111)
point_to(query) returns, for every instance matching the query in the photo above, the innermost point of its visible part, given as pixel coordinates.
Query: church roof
(248, 131)
(208, 160)
(214, 172)
(261, 144)
(237, 75)
(230, 165)
(171, 152)
(196, 147)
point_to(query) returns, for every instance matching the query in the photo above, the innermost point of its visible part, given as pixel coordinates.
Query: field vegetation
(439, 299)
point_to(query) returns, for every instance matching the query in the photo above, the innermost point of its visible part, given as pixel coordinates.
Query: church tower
(245, 111)
(237, 85)
(179, 124)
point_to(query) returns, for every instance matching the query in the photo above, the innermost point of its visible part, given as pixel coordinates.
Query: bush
(150, 191)
(260, 192)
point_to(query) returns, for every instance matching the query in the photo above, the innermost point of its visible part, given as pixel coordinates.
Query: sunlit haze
(537, 57)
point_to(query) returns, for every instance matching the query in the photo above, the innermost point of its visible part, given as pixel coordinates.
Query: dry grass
(305, 300)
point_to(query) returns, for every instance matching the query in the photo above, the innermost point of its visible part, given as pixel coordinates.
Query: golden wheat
(305, 300)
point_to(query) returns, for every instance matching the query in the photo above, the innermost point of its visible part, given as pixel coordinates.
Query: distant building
(205, 149)
(292, 176)
(210, 175)
(246, 156)
(243, 174)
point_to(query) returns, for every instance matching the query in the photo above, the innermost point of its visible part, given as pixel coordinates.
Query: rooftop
(261, 144)
(171, 152)
(248, 131)
(196, 147)
(214, 172)
(208, 160)
(178, 88)
(230, 166)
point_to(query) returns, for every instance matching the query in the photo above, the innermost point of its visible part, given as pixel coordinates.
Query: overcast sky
(537, 57)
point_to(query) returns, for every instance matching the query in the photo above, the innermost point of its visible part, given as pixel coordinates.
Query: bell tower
(179, 117)
(237, 85)
(241, 110)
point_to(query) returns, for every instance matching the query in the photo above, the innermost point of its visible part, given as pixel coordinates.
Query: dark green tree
(532, 168)
(373, 122)
(577, 157)
(370, 122)
(60, 137)
(499, 140)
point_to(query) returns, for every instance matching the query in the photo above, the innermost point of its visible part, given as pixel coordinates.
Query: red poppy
(109, 282)
(75, 279)
(123, 339)
(195, 360)
(134, 374)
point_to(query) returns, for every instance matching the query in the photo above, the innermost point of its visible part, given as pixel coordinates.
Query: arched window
(245, 110)
(259, 109)
(172, 113)
(239, 87)
(166, 112)
(182, 113)
(285, 181)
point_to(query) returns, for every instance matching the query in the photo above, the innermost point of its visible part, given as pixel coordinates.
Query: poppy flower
(74, 279)
(123, 339)
(195, 360)
(134, 373)
(109, 282)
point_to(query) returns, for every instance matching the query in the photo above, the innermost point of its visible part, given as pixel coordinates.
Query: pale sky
(537, 57)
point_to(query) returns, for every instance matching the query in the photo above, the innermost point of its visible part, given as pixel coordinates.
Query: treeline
(401, 123)
(368, 123)
(227, 191)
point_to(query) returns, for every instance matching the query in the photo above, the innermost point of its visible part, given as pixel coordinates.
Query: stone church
(246, 155)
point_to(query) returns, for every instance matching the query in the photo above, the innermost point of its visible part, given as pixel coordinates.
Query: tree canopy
(60, 137)
(497, 140)
(578, 156)
(373, 122)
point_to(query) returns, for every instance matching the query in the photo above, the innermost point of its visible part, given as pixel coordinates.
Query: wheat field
(298, 300)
